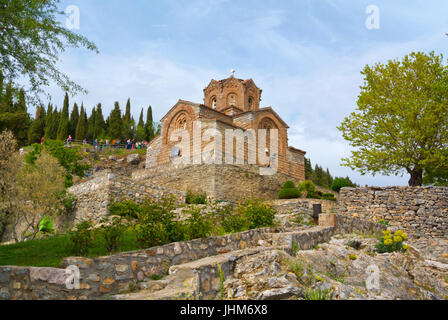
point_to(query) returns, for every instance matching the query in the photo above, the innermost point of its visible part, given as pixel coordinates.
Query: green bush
(195, 197)
(258, 213)
(82, 238)
(157, 224)
(289, 185)
(198, 225)
(69, 202)
(291, 193)
(308, 187)
(228, 221)
(339, 183)
(112, 232)
(46, 225)
(126, 208)
(328, 196)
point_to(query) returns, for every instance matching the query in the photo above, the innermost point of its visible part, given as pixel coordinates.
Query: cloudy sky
(306, 55)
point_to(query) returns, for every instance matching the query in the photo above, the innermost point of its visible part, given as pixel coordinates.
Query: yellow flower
(398, 239)
(405, 247)
(355, 215)
(388, 242)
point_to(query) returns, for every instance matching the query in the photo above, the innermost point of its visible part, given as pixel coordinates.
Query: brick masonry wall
(419, 211)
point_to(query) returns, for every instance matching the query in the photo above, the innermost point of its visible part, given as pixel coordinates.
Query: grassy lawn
(50, 252)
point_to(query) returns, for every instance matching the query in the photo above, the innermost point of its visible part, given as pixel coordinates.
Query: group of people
(130, 144)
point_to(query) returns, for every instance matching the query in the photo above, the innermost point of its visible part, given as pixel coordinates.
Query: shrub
(289, 185)
(339, 183)
(198, 225)
(112, 232)
(308, 187)
(392, 242)
(126, 208)
(291, 193)
(195, 197)
(82, 238)
(69, 202)
(157, 225)
(258, 213)
(328, 196)
(46, 225)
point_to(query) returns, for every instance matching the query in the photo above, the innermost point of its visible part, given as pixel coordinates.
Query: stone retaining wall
(419, 211)
(116, 273)
(95, 195)
(302, 206)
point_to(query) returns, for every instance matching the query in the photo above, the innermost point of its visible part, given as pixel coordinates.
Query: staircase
(201, 279)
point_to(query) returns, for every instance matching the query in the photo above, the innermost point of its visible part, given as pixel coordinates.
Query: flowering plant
(392, 242)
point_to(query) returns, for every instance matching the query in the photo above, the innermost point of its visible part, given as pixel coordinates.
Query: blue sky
(306, 55)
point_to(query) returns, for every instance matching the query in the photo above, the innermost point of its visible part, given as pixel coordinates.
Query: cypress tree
(149, 126)
(74, 117)
(115, 122)
(81, 127)
(1, 88)
(100, 124)
(7, 100)
(21, 102)
(127, 115)
(91, 125)
(64, 120)
(37, 127)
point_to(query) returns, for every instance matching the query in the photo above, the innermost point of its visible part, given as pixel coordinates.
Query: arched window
(249, 103)
(181, 121)
(213, 104)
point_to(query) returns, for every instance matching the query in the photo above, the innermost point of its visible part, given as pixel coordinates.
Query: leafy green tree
(115, 122)
(401, 122)
(32, 38)
(63, 120)
(339, 183)
(308, 169)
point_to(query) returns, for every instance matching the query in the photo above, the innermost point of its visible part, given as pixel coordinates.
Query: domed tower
(232, 96)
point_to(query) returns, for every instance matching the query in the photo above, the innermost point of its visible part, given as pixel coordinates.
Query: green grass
(50, 252)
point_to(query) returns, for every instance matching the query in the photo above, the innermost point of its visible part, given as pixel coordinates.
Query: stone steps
(201, 279)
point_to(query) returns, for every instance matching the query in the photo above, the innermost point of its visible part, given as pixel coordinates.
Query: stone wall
(118, 273)
(419, 211)
(95, 195)
(220, 182)
(302, 206)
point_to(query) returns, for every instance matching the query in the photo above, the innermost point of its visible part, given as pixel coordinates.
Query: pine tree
(115, 122)
(149, 126)
(127, 115)
(74, 117)
(64, 120)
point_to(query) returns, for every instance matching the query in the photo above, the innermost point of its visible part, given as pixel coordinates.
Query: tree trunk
(416, 179)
